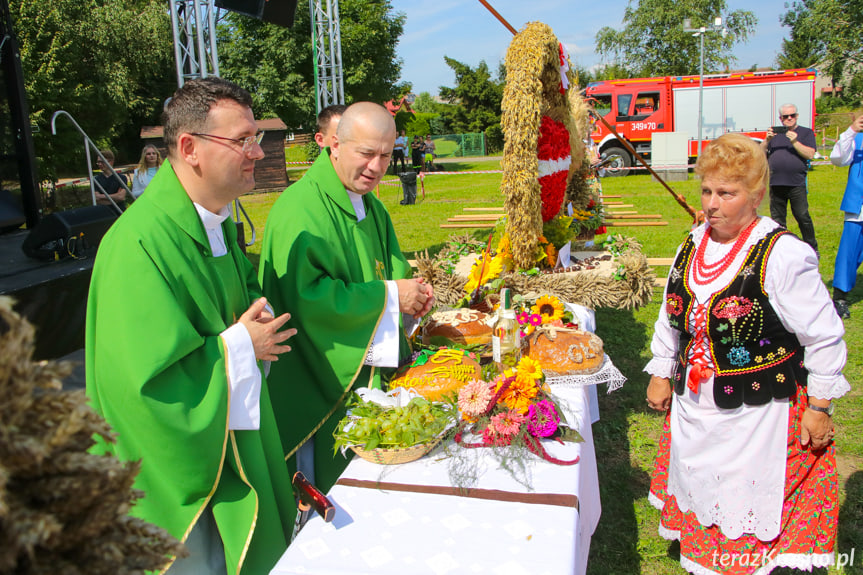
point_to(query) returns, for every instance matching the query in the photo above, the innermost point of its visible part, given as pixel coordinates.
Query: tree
(653, 43)
(801, 50)
(836, 25)
(106, 62)
(425, 103)
(276, 64)
(478, 97)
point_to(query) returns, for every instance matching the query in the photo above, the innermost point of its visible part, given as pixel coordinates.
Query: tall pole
(700, 90)
(715, 27)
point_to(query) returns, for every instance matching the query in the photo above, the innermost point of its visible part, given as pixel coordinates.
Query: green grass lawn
(626, 436)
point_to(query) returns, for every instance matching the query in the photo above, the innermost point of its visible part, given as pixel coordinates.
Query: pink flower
(473, 398)
(542, 419)
(535, 319)
(523, 317)
(507, 423)
(733, 306)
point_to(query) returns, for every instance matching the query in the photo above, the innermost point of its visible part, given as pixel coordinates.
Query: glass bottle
(505, 339)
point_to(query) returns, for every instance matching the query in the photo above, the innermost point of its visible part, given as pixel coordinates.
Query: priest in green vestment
(331, 258)
(176, 331)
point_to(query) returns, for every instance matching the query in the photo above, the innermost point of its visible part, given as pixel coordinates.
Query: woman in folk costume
(747, 356)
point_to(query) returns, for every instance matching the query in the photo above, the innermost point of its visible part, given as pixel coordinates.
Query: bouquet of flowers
(589, 219)
(515, 409)
(544, 310)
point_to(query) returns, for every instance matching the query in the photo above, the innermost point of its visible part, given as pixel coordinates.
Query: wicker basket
(397, 455)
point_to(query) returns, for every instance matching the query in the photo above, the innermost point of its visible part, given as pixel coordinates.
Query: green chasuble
(328, 271)
(156, 370)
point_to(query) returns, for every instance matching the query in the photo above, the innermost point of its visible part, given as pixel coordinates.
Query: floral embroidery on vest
(745, 339)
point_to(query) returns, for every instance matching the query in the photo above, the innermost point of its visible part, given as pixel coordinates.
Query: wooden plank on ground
(660, 283)
(603, 196)
(660, 261)
(615, 206)
(633, 217)
(495, 209)
(475, 218)
(622, 212)
(633, 224)
(489, 225)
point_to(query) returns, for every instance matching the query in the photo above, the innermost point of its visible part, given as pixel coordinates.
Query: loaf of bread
(436, 375)
(457, 326)
(566, 351)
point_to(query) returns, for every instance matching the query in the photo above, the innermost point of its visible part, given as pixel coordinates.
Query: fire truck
(745, 102)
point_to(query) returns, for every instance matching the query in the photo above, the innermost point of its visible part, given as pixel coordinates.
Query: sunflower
(549, 307)
(492, 270)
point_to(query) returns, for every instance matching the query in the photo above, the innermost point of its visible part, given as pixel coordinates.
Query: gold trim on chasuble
(353, 379)
(221, 465)
(257, 500)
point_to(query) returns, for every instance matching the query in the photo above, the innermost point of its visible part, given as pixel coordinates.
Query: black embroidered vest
(754, 357)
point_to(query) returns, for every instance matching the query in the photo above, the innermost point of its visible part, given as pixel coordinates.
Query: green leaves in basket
(372, 426)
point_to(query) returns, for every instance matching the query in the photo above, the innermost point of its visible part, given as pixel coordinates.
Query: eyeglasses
(246, 142)
(787, 116)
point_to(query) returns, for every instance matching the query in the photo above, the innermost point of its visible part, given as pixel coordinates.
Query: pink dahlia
(473, 398)
(542, 419)
(507, 423)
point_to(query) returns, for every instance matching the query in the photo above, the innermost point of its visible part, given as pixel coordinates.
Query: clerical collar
(213, 225)
(357, 202)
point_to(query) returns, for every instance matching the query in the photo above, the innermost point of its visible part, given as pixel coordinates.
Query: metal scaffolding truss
(327, 49)
(193, 23)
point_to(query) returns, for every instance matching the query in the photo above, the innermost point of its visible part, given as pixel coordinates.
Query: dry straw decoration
(62, 510)
(532, 91)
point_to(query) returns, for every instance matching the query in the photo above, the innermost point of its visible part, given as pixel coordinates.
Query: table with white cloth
(414, 518)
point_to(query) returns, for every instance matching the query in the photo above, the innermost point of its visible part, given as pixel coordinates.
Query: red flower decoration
(733, 306)
(552, 147)
(552, 189)
(600, 230)
(674, 304)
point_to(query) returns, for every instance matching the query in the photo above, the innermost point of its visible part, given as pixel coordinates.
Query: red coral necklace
(703, 273)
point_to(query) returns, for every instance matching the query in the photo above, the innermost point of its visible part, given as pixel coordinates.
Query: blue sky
(465, 31)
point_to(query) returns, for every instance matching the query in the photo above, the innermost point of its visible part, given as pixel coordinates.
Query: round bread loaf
(566, 351)
(459, 326)
(439, 374)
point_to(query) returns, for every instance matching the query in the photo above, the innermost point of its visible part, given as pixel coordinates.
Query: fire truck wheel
(621, 160)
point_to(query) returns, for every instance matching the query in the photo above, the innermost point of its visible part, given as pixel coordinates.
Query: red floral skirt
(809, 514)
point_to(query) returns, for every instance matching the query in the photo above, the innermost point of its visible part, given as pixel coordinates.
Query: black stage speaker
(279, 12)
(68, 233)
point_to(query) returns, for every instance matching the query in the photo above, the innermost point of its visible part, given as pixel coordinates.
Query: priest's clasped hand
(416, 297)
(264, 329)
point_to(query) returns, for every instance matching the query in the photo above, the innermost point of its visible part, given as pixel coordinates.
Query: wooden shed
(270, 171)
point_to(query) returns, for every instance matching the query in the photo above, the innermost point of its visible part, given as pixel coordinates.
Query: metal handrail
(88, 143)
(239, 209)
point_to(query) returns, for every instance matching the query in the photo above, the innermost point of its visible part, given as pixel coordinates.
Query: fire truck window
(623, 102)
(602, 103)
(646, 103)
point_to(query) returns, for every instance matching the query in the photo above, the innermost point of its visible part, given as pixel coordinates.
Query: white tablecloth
(379, 532)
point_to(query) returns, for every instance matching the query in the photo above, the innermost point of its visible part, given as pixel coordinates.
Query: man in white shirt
(849, 150)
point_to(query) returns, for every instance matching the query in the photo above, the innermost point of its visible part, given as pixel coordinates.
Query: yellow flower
(530, 367)
(504, 248)
(549, 307)
(520, 393)
(550, 255)
(492, 270)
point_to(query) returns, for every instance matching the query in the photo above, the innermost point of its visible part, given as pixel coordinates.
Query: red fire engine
(739, 102)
